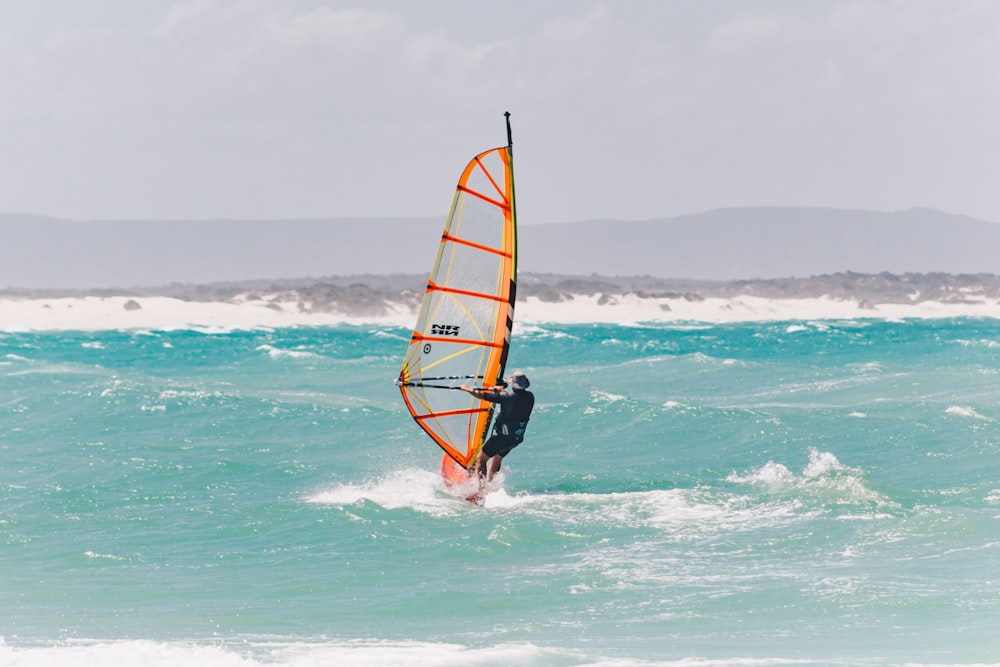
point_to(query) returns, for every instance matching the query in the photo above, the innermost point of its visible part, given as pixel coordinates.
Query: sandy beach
(19, 314)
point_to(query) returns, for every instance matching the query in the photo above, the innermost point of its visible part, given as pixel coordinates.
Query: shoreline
(254, 311)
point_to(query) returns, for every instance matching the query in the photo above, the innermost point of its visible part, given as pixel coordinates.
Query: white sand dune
(164, 313)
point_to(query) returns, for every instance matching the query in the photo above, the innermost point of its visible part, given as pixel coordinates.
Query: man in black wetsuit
(508, 429)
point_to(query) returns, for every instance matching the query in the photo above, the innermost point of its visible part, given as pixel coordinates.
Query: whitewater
(806, 490)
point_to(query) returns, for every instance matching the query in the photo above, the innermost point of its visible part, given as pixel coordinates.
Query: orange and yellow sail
(463, 328)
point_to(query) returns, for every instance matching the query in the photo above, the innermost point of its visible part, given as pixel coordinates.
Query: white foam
(824, 475)
(683, 513)
(250, 653)
(771, 473)
(123, 653)
(963, 411)
(277, 353)
(413, 488)
(822, 463)
(607, 397)
(97, 556)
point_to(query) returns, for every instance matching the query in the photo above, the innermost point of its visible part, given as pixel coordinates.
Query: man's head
(519, 380)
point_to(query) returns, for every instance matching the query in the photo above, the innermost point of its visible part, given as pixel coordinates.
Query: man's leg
(494, 466)
(481, 465)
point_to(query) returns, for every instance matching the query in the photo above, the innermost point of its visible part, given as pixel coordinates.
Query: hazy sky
(167, 109)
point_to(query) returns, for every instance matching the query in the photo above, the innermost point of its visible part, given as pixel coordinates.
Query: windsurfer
(508, 430)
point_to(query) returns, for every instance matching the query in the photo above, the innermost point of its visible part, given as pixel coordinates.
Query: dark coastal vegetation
(361, 295)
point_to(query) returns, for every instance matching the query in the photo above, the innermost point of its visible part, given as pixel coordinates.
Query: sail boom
(453, 413)
(462, 341)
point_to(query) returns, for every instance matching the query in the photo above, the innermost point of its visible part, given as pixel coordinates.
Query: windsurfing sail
(463, 327)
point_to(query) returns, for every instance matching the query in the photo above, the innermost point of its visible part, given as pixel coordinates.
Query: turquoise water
(823, 493)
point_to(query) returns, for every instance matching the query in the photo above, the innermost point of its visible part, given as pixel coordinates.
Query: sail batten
(490, 200)
(463, 327)
(471, 244)
(455, 290)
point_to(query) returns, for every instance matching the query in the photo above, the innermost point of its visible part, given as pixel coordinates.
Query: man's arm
(482, 393)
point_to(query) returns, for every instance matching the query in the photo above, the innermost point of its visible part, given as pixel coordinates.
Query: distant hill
(47, 252)
(745, 243)
(724, 244)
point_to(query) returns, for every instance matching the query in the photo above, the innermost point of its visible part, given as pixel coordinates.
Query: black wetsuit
(508, 430)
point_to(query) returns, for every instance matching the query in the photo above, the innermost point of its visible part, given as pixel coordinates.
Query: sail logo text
(444, 329)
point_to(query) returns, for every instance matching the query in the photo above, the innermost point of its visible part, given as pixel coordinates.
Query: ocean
(808, 493)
